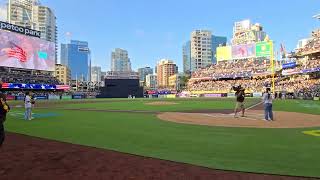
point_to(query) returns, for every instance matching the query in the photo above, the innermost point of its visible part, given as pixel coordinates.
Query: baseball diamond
(159, 90)
(135, 137)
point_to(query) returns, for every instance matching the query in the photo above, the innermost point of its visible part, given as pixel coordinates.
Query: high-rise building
(216, 42)
(175, 81)
(200, 51)
(186, 56)
(120, 61)
(45, 22)
(96, 74)
(31, 14)
(244, 32)
(76, 55)
(151, 81)
(303, 42)
(20, 12)
(143, 72)
(165, 69)
(63, 74)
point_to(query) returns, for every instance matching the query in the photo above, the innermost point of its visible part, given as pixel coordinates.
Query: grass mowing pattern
(182, 104)
(277, 151)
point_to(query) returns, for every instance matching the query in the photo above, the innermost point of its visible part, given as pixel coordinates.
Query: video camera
(238, 88)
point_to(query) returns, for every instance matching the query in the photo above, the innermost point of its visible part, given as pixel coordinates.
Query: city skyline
(149, 35)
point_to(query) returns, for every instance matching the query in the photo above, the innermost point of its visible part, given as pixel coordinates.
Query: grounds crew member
(4, 109)
(240, 96)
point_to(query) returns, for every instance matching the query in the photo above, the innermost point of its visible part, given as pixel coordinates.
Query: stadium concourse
(297, 77)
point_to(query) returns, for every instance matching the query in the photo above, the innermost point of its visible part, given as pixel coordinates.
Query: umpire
(4, 109)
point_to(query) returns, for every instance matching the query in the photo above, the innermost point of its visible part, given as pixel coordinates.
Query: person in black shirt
(240, 97)
(4, 109)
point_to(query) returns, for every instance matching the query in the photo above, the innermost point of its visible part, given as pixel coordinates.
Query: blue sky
(151, 29)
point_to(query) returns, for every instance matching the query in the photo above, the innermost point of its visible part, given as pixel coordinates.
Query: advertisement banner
(77, 97)
(231, 95)
(28, 86)
(171, 96)
(25, 52)
(305, 71)
(289, 72)
(243, 51)
(9, 97)
(54, 97)
(289, 65)
(20, 98)
(316, 98)
(66, 97)
(40, 97)
(19, 29)
(212, 95)
(224, 53)
(257, 94)
(264, 49)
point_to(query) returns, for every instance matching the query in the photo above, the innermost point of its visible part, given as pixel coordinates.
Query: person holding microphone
(267, 102)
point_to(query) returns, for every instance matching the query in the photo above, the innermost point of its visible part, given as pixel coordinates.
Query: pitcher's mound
(161, 103)
(253, 119)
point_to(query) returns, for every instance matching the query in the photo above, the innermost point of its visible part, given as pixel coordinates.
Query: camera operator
(240, 96)
(4, 109)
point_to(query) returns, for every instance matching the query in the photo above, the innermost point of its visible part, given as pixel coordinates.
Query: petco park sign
(19, 29)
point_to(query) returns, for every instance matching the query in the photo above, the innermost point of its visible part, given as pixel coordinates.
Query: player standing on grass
(28, 106)
(4, 109)
(240, 96)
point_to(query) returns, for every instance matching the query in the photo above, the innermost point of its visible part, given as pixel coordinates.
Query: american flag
(62, 87)
(5, 85)
(17, 52)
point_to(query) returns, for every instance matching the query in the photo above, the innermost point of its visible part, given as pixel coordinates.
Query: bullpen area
(162, 139)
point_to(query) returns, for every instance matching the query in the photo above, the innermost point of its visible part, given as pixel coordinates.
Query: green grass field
(275, 151)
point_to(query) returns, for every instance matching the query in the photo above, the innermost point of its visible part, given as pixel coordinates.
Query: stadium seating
(23, 76)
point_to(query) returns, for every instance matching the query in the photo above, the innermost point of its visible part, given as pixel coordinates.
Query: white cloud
(3, 12)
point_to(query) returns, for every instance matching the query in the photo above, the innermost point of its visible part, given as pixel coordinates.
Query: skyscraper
(200, 51)
(96, 74)
(76, 55)
(165, 69)
(186, 53)
(143, 72)
(120, 61)
(31, 14)
(151, 81)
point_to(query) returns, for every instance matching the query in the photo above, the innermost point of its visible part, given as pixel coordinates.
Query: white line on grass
(254, 105)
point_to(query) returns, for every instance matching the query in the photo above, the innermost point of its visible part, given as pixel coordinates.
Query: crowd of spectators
(232, 69)
(293, 85)
(312, 46)
(27, 77)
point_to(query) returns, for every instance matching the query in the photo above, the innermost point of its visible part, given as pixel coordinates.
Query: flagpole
(272, 67)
